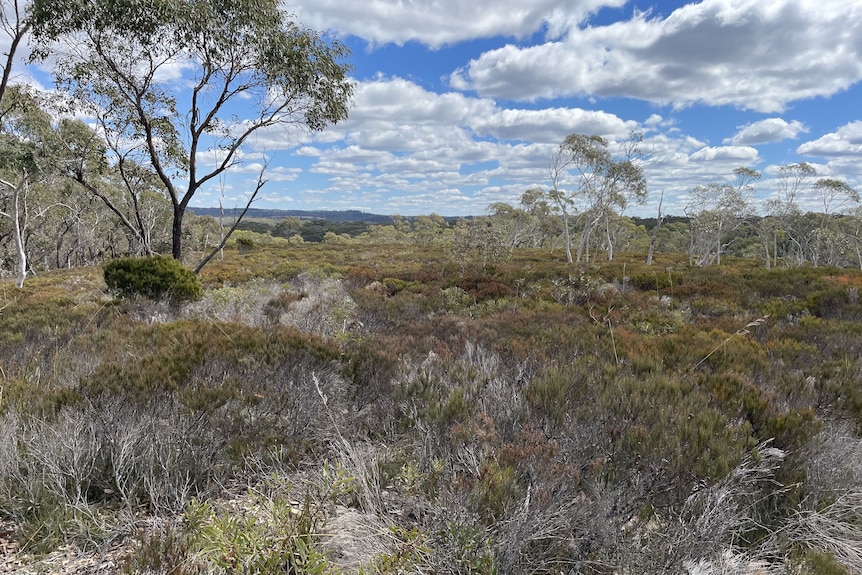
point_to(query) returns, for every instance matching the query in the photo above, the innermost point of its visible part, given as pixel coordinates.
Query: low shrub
(484, 287)
(154, 277)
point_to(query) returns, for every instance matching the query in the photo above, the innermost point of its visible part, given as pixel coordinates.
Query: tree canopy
(122, 60)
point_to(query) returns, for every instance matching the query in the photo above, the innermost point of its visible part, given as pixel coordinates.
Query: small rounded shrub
(153, 277)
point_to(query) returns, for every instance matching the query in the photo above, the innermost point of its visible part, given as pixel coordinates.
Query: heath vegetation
(381, 408)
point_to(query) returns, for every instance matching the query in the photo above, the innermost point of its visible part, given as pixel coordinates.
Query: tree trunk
(655, 230)
(17, 226)
(19, 233)
(177, 233)
(775, 248)
(568, 237)
(608, 238)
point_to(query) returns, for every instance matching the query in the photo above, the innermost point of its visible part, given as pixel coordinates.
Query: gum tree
(605, 182)
(15, 160)
(834, 196)
(15, 25)
(715, 210)
(47, 222)
(181, 87)
(783, 214)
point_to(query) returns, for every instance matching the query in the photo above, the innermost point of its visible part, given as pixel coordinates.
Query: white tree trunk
(17, 226)
(19, 234)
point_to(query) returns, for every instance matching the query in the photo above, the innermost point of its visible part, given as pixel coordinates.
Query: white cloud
(389, 100)
(436, 23)
(767, 131)
(742, 154)
(550, 125)
(282, 174)
(448, 201)
(405, 140)
(845, 141)
(745, 53)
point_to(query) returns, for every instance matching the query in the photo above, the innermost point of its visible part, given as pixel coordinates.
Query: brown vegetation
(534, 417)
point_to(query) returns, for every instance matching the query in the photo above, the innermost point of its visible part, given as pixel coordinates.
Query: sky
(462, 104)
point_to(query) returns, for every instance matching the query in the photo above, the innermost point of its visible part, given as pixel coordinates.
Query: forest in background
(357, 407)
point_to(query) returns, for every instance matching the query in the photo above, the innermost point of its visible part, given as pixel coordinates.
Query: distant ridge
(328, 215)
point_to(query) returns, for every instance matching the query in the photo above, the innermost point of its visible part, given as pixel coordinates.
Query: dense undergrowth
(531, 417)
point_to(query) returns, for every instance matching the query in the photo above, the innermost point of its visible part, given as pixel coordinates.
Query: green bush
(152, 277)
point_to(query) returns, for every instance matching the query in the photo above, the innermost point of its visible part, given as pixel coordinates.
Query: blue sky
(459, 104)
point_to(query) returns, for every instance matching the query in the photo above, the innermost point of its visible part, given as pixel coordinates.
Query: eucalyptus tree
(24, 127)
(548, 228)
(834, 196)
(851, 227)
(605, 182)
(34, 197)
(562, 200)
(175, 84)
(478, 239)
(655, 231)
(781, 224)
(714, 211)
(515, 226)
(429, 229)
(15, 24)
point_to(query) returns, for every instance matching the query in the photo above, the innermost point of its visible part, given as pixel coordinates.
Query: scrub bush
(154, 277)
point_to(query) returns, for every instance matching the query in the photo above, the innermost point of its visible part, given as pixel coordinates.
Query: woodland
(550, 387)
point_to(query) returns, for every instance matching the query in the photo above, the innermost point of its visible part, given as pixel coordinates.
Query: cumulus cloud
(436, 23)
(398, 99)
(282, 174)
(845, 141)
(742, 154)
(550, 125)
(745, 53)
(766, 131)
(405, 138)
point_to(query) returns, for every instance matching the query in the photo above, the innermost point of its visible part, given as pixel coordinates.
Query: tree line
(583, 214)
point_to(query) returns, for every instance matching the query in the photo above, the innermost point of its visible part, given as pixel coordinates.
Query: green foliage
(656, 280)
(283, 67)
(467, 548)
(666, 424)
(164, 551)
(244, 244)
(270, 534)
(154, 277)
(410, 555)
(396, 285)
(553, 392)
(484, 287)
(49, 523)
(497, 489)
(316, 230)
(280, 539)
(814, 562)
(256, 227)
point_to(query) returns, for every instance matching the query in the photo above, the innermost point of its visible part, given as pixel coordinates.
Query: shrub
(466, 548)
(484, 287)
(244, 244)
(152, 277)
(814, 561)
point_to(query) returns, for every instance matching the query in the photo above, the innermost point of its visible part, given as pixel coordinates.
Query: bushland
(535, 417)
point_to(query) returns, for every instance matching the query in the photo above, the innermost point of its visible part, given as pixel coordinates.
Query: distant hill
(328, 215)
